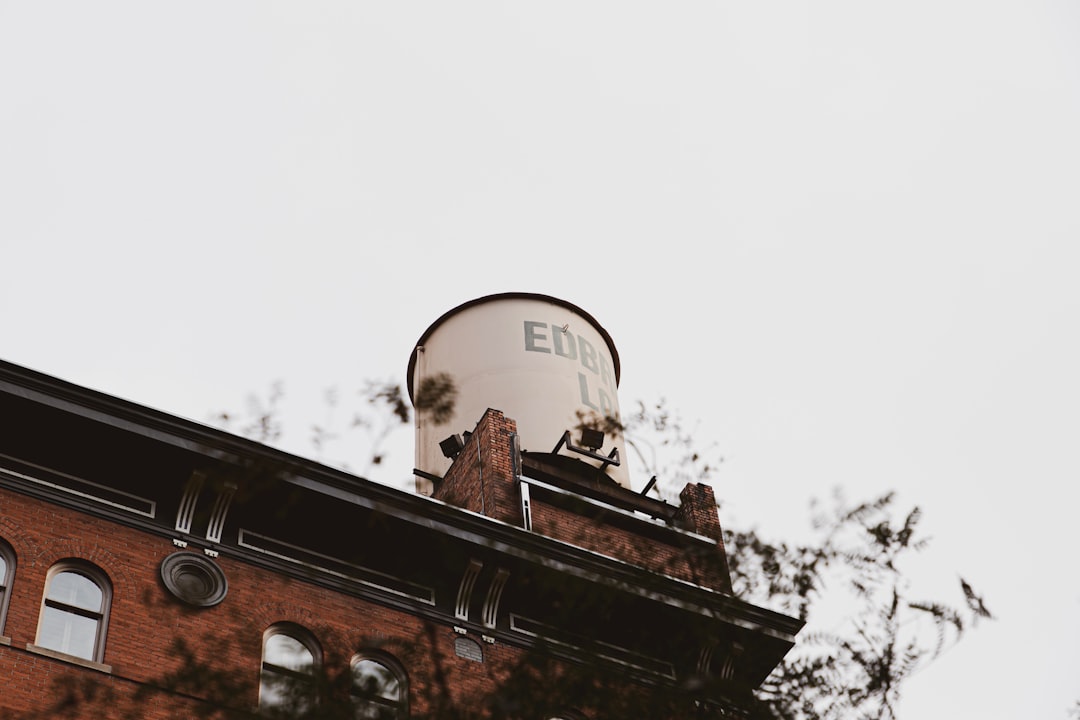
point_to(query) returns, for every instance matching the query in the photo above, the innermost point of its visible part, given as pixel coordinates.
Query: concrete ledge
(70, 659)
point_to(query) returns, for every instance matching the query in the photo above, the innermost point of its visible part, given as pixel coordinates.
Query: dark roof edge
(516, 541)
(172, 430)
(142, 420)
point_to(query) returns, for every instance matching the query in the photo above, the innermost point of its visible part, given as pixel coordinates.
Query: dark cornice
(416, 509)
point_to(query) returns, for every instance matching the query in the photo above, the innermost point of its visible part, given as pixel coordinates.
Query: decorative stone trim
(468, 581)
(70, 659)
(468, 649)
(194, 579)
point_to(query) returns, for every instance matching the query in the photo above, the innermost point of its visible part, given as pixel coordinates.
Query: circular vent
(194, 579)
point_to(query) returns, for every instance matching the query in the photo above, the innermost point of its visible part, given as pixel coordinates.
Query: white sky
(841, 235)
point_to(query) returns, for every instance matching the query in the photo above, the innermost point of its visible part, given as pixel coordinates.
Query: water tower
(542, 361)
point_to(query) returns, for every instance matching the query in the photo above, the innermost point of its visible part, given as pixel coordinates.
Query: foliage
(857, 667)
(435, 396)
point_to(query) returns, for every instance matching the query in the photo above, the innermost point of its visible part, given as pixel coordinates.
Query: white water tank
(543, 362)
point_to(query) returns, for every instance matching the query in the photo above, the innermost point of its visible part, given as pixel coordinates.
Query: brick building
(153, 567)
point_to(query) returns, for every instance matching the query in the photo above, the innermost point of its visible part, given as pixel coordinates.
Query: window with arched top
(75, 610)
(290, 660)
(7, 573)
(380, 690)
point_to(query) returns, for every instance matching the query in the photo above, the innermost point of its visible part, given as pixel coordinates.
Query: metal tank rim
(513, 296)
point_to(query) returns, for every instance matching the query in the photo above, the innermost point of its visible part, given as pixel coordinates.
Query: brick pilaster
(698, 513)
(481, 478)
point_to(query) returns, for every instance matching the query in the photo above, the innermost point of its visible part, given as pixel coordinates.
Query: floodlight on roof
(452, 446)
(592, 438)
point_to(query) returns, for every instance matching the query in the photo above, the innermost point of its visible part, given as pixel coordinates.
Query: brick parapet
(481, 479)
(698, 513)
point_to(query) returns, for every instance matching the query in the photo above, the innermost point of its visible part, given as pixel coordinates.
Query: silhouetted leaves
(856, 668)
(435, 396)
(975, 601)
(389, 395)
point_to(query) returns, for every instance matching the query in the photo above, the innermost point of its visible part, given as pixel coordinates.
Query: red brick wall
(482, 476)
(698, 512)
(691, 561)
(146, 623)
(482, 480)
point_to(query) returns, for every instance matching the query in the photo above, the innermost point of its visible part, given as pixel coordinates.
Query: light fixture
(451, 446)
(592, 438)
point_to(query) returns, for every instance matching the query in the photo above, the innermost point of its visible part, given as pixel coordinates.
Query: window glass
(375, 679)
(75, 590)
(68, 633)
(287, 652)
(74, 612)
(7, 567)
(378, 690)
(287, 680)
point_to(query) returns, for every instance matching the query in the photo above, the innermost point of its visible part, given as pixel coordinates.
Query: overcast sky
(841, 237)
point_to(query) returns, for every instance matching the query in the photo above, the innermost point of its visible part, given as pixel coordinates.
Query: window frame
(7, 577)
(101, 616)
(400, 708)
(308, 640)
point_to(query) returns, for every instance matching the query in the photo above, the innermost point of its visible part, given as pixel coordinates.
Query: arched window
(75, 610)
(290, 659)
(379, 688)
(7, 572)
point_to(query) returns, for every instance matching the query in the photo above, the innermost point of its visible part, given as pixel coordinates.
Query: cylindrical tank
(543, 362)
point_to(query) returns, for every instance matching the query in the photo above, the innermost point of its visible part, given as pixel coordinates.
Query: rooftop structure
(154, 567)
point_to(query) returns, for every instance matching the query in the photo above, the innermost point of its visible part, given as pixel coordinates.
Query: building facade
(153, 567)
